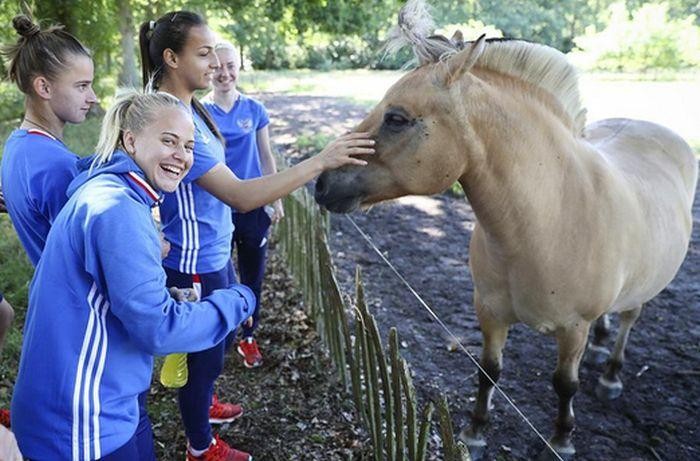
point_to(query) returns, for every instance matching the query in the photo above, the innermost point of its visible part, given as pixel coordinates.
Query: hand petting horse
(574, 222)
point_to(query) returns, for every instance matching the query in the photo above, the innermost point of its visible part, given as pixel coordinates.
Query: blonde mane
(539, 65)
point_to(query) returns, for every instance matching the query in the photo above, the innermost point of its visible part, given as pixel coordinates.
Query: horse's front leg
(609, 384)
(571, 343)
(601, 331)
(494, 333)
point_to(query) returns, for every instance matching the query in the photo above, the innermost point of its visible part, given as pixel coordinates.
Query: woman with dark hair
(55, 72)
(178, 57)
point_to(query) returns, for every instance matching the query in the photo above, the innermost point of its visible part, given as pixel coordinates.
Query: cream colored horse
(573, 223)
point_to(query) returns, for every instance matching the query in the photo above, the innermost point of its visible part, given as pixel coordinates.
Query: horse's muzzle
(336, 193)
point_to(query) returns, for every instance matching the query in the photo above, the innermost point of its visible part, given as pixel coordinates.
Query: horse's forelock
(415, 28)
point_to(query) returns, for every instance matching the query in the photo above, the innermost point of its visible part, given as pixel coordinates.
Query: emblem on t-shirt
(245, 124)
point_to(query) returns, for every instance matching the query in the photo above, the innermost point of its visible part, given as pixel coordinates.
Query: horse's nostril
(321, 186)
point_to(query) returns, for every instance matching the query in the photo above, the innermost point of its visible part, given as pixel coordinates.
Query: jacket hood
(119, 163)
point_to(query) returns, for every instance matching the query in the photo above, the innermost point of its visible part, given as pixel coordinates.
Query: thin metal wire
(453, 337)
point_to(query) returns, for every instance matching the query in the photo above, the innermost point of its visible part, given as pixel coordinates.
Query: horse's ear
(460, 63)
(458, 39)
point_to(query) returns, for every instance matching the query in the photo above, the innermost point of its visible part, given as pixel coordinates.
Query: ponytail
(169, 31)
(111, 129)
(204, 113)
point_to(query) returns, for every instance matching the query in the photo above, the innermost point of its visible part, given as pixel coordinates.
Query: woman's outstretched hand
(342, 151)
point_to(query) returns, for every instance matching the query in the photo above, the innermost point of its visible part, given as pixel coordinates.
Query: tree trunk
(128, 76)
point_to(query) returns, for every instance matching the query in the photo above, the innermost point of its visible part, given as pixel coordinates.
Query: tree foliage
(326, 34)
(667, 43)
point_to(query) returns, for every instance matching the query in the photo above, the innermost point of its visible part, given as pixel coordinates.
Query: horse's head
(418, 128)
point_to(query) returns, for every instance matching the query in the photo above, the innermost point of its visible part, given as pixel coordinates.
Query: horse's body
(572, 223)
(601, 225)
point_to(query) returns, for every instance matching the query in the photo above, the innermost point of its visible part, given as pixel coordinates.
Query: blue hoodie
(98, 312)
(36, 170)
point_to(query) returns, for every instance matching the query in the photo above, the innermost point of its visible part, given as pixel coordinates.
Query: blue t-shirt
(197, 224)
(36, 171)
(239, 128)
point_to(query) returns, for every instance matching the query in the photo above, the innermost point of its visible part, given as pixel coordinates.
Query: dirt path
(427, 240)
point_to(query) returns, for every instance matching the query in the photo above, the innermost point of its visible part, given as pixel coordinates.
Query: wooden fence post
(379, 379)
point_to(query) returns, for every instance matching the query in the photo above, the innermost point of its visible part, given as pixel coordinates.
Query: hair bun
(25, 26)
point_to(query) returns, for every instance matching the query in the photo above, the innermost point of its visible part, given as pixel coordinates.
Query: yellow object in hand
(173, 373)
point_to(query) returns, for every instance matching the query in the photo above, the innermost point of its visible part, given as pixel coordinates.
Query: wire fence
(375, 376)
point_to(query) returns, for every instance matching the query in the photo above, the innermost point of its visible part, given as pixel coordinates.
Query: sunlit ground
(674, 103)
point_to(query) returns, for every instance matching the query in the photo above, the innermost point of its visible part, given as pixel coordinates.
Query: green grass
(6, 128)
(15, 274)
(82, 138)
(277, 80)
(652, 76)
(360, 84)
(299, 88)
(313, 141)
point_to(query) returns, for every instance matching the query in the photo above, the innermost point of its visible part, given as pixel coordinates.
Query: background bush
(643, 40)
(11, 101)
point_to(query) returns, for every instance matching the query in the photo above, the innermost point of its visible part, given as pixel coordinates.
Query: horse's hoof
(598, 354)
(564, 454)
(608, 390)
(476, 452)
(476, 444)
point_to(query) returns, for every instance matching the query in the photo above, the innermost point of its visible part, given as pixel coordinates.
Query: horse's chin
(345, 205)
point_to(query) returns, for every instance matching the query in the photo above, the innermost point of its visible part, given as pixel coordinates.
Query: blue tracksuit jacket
(98, 312)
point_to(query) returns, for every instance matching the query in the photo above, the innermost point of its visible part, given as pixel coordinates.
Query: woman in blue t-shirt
(243, 123)
(55, 72)
(178, 57)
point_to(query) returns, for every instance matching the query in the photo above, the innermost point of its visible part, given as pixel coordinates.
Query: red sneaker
(220, 451)
(220, 413)
(248, 348)
(5, 417)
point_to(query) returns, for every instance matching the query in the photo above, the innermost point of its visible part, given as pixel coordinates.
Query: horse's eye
(394, 120)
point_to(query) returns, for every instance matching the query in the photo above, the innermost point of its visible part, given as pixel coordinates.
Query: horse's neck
(520, 164)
